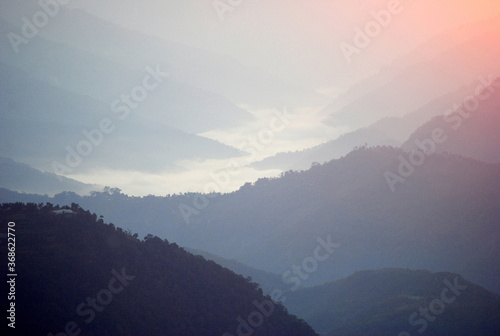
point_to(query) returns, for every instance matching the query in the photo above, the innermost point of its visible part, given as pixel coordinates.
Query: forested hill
(442, 215)
(399, 302)
(77, 275)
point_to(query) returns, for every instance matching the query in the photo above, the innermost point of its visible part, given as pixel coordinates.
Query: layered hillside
(470, 128)
(442, 216)
(76, 273)
(399, 302)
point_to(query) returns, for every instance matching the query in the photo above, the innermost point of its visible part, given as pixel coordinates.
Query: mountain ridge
(398, 301)
(348, 199)
(132, 287)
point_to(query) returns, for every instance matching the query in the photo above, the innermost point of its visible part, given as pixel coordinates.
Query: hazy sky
(295, 39)
(298, 42)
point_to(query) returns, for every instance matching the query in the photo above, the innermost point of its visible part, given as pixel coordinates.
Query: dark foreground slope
(79, 276)
(399, 302)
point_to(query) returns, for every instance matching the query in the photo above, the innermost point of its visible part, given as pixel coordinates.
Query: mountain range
(436, 68)
(471, 128)
(479, 134)
(348, 201)
(385, 222)
(155, 287)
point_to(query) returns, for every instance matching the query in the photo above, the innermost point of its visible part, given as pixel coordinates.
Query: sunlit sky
(294, 40)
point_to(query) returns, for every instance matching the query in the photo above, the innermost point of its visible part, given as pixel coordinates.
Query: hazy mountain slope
(334, 149)
(425, 223)
(198, 68)
(390, 131)
(380, 303)
(21, 177)
(267, 281)
(173, 103)
(32, 109)
(212, 72)
(158, 288)
(443, 216)
(422, 82)
(422, 53)
(472, 130)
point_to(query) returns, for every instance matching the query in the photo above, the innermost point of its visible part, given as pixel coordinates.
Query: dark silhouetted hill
(77, 273)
